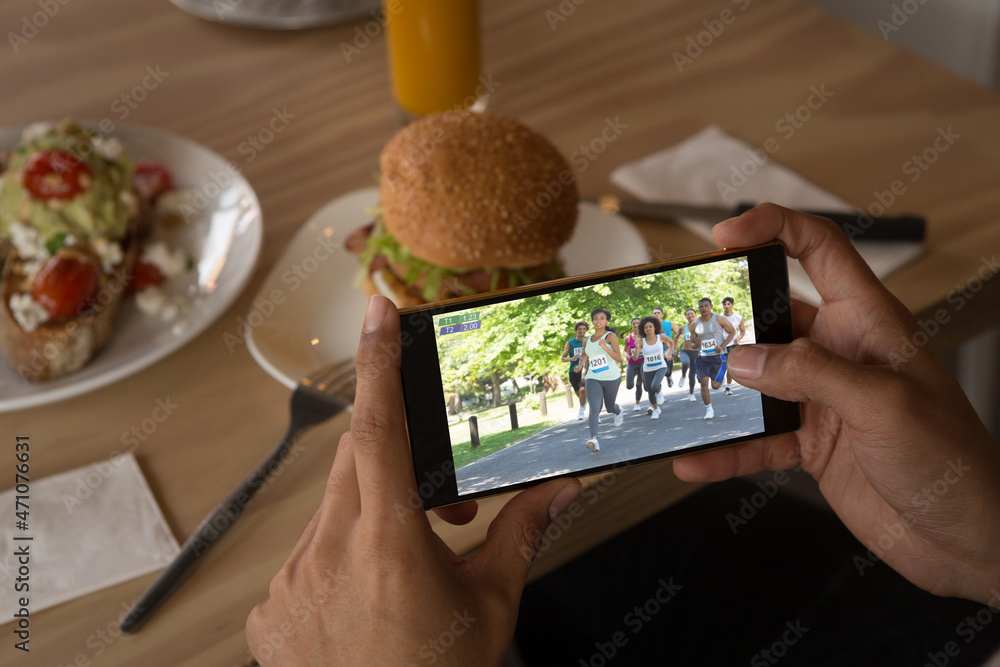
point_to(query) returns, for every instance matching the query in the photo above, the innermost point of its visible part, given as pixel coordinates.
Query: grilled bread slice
(60, 346)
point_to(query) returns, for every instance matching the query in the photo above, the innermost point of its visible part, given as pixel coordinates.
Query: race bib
(708, 345)
(655, 359)
(577, 352)
(598, 364)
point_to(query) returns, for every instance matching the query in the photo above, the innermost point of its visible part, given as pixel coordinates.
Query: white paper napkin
(91, 527)
(691, 172)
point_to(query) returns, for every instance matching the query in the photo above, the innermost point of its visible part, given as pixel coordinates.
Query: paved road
(561, 449)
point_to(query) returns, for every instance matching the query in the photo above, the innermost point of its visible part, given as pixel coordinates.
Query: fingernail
(747, 361)
(375, 315)
(563, 499)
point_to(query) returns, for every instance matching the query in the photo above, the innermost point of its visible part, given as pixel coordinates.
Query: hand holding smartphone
(454, 351)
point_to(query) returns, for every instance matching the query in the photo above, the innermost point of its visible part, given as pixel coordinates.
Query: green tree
(525, 338)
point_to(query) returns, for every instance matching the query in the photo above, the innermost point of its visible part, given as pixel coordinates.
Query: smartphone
(473, 369)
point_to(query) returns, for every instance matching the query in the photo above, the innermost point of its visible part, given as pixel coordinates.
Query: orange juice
(433, 53)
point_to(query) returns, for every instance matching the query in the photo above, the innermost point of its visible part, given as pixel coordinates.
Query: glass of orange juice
(433, 54)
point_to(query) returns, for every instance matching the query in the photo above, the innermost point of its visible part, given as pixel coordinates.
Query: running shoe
(620, 417)
(729, 392)
(582, 413)
(670, 382)
(649, 410)
(710, 413)
(656, 413)
(692, 398)
(636, 408)
(593, 446)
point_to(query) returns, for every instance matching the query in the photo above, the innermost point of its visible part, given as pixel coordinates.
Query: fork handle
(208, 532)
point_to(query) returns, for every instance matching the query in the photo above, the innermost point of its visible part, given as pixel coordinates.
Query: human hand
(895, 445)
(369, 582)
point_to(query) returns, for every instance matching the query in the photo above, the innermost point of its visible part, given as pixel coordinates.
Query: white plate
(308, 312)
(223, 238)
(281, 15)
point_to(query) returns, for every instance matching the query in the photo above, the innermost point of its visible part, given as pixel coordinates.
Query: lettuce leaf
(432, 276)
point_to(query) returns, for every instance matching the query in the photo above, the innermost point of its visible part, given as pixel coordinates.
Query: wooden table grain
(662, 70)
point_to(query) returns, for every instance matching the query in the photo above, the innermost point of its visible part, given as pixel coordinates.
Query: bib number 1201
(598, 364)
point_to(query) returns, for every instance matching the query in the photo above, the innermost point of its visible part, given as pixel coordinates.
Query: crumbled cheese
(109, 252)
(108, 147)
(170, 262)
(28, 242)
(150, 300)
(28, 312)
(154, 302)
(31, 269)
(170, 310)
(130, 201)
(176, 202)
(35, 131)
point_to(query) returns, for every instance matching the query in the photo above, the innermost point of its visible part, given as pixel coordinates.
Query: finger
(459, 514)
(342, 483)
(805, 371)
(341, 494)
(340, 500)
(803, 316)
(378, 432)
(513, 537)
(778, 452)
(836, 269)
(256, 626)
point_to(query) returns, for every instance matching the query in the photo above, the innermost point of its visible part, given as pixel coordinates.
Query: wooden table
(562, 77)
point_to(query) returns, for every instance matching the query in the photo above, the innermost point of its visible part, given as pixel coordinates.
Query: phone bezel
(426, 418)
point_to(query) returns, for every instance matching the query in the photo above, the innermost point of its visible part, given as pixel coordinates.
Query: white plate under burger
(308, 313)
(223, 238)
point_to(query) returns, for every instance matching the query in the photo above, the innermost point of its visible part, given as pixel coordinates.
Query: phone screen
(511, 388)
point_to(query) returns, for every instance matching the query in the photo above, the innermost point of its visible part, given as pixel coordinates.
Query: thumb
(803, 371)
(515, 536)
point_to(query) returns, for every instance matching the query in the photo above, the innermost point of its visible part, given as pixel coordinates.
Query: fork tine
(326, 374)
(338, 378)
(344, 386)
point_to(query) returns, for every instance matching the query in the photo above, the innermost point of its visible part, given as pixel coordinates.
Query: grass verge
(494, 442)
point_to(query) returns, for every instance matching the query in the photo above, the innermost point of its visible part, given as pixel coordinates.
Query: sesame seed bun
(469, 190)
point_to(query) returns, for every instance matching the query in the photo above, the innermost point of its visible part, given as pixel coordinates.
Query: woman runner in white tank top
(602, 376)
(654, 366)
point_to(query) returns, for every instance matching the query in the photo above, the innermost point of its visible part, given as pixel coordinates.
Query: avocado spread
(101, 209)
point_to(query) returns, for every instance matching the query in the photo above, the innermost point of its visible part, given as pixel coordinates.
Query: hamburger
(468, 203)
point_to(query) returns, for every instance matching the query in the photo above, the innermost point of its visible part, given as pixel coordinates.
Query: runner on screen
(601, 375)
(712, 333)
(571, 354)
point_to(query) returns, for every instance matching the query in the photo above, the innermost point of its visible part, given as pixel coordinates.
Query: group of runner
(649, 351)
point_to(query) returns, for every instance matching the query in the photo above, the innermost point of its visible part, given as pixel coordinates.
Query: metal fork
(318, 397)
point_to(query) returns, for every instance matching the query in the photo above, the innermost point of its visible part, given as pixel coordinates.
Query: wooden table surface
(564, 78)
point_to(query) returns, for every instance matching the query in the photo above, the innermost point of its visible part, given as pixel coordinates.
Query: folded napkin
(90, 528)
(691, 172)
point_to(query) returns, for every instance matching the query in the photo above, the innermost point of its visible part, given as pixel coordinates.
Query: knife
(858, 226)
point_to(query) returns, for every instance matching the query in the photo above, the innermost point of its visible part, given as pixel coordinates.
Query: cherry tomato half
(152, 179)
(144, 275)
(55, 174)
(66, 285)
